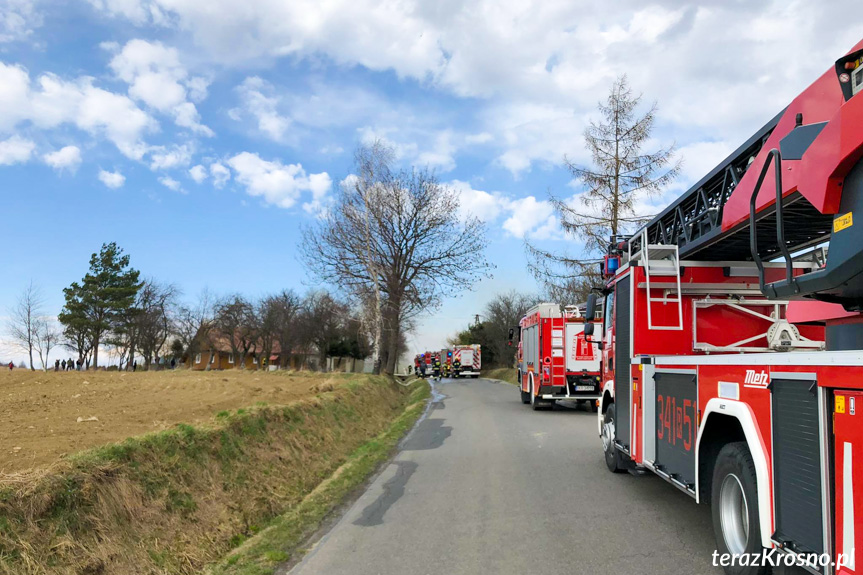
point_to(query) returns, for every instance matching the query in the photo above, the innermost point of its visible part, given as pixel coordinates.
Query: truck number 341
(675, 421)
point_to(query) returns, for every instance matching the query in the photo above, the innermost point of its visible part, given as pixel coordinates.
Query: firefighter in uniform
(436, 367)
(456, 367)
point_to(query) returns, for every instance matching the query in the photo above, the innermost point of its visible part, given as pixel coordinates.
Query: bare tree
(622, 175)
(395, 239)
(325, 319)
(153, 319)
(287, 306)
(193, 323)
(278, 317)
(502, 313)
(47, 337)
(24, 320)
(573, 290)
(237, 324)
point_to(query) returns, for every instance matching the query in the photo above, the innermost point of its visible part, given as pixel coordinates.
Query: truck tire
(734, 502)
(613, 458)
(536, 403)
(525, 398)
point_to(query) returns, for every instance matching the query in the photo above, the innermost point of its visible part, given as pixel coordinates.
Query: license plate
(584, 388)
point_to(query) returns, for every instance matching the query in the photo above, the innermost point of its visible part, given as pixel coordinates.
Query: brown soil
(39, 411)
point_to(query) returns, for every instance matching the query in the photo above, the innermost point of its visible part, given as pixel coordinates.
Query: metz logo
(755, 379)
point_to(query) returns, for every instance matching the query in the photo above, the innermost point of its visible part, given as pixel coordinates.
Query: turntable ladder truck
(732, 337)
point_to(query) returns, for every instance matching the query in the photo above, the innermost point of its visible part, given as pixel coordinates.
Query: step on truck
(732, 343)
(555, 362)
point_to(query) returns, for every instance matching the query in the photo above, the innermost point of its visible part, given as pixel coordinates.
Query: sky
(202, 136)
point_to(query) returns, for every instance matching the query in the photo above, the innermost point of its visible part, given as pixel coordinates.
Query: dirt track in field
(39, 411)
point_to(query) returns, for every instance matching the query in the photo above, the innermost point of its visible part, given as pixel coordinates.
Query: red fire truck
(555, 361)
(732, 345)
(469, 358)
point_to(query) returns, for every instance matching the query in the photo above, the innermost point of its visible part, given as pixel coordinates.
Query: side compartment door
(675, 424)
(848, 446)
(622, 361)
(797, 481)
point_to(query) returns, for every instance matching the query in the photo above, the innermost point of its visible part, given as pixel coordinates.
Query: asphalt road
(486, 485)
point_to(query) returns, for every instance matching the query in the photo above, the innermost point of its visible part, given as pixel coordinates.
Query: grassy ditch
(506, 374)
(177, 500)
(280, 540)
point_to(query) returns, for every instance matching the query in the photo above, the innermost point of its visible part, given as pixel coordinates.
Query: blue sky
(202, 136)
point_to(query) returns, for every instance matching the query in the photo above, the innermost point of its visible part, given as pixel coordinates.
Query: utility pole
(476, 320)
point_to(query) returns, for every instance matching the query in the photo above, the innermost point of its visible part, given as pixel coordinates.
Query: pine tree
(96, 305)
(621, 176)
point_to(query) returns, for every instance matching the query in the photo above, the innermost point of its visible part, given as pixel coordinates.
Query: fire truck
(732, 340)
(555, 361)
(427, 358)
(470, 358)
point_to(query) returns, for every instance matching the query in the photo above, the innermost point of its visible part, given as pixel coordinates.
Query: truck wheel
(536, 403)
(613, 459)
(525, 398)
(734, 500)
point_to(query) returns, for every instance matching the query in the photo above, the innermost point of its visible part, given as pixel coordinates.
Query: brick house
(215, 353)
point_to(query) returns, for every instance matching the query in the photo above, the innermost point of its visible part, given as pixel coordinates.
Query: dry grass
(281, 540)
(175, 500)
(39, 411)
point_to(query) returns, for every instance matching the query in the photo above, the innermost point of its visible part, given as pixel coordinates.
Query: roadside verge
(504, 374)
(280, 541)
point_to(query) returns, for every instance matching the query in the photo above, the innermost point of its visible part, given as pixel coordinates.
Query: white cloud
(156, 77)
(18, 18)
(262, 107)
(198, 173)
(477, 203)
(320, 186)
(176, 156)
(171, 184)
(531, 218)
(113, 180)
(278, 184)
(525, 217)
(51, 101)
(15, 150)
(220, 174)
(66, 158)
(481, 138)
(534, 72)
(442, 154)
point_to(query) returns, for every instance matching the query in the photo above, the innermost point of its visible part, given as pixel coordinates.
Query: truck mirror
(588, 329)
(511, 333)
(590, 311)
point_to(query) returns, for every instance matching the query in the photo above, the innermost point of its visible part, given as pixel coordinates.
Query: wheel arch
(726, 421)
(607, 399)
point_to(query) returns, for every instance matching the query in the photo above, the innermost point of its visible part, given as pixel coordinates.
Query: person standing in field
(56, 365)
(78, 363)
(11, 366)
(63, 365)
